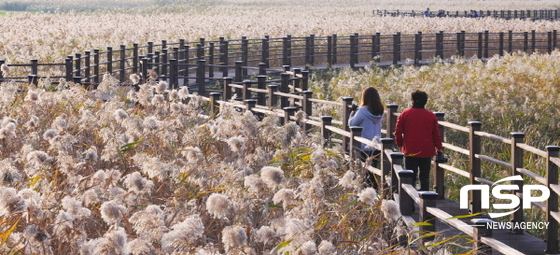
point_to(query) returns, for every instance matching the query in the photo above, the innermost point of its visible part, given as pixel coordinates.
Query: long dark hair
(370, 97)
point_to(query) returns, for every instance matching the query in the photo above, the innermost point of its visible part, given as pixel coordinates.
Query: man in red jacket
(417, 133)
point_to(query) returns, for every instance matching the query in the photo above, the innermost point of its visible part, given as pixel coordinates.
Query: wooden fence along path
(200, 63)
(550, 14)
(215, 62)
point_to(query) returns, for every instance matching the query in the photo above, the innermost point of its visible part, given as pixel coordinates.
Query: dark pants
(421, 165)
(369, 178)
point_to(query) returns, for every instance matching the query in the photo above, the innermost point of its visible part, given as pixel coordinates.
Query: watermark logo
(497, 189)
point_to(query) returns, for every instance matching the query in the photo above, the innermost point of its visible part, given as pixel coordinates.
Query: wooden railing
(545, 14)
(285, 97)
(198, 64)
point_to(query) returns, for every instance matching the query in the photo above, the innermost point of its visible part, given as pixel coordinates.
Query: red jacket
(417, 132)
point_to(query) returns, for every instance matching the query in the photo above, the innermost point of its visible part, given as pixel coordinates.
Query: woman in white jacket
(369, 116)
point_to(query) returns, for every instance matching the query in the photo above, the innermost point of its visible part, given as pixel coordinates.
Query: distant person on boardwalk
(417, 133)
(368, 116)
(427, 12)
(474, 14)
(441, 13)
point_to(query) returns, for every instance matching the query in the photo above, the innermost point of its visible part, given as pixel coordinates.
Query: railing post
(329, 50)
(109, 60)
(373, 55)
(135, 58)
(308, 50)
(460, 51)
(262, 68)
(501, 44)
(427, 199)
(246, 94)
(224, 58)
(227, 88)
(272, 98)
(150, 47)
(87, 66)
(479, 53)
(463, 39)
(261, 84)
(326, 121)
(244, 53)
(122, 64)
(173, 74)
(439, 172)
(307, 106)
(356, 48)
(417, 48)
(396, 48)
(391, 120)
(238, 71)
(352, 51)
(96, 64)
(214, 104)
(334, 49)
(32, 77)
(78, 64)
(284, 87)
(145, 68)
(296, 79)
(549, 42)
(251, 103)
(526, 42)
(199, 51)
(483, 228)
(211, 57)
(474, 162)
(486, 38)
(287, 50)
(200, 77)
(517, 162)
(386, 144)
(552, 202)
(346, 103)
(554, 38)
(533, 41)
(34, 66)
(304, 80)
(288, 112)
(406, 204)
(176, 54)
(396, 159)
(355, 145)
(439, 45)
(69, 71)
(265, 53)
(185, 57)
(510, 41)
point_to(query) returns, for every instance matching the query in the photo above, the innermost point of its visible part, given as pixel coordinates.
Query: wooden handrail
(454, 126)
(494, 137)
(456, 148)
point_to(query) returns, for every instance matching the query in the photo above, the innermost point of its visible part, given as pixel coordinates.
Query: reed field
(50, 37)
(147, 173)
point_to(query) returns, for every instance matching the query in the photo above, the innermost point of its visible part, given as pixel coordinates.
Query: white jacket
(371, 124)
